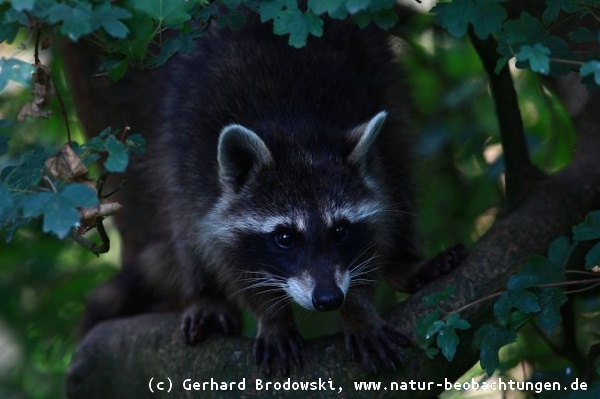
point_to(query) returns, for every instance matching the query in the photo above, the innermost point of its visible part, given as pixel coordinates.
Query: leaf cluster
(33, 188)
(536, 294)
(147, 33)
(529, 39)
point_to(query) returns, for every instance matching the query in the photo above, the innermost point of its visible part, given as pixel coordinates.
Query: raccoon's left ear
(239, 152)
(366, 135)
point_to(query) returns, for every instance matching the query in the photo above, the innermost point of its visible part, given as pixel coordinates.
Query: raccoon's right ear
(366, 134)
(240, 151)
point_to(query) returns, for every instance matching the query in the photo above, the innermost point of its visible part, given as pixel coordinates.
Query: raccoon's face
(299, 223)
(312, 258)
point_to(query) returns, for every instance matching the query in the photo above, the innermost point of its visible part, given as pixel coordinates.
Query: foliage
(28, 190)
(528, 39)
(133, 32)
(536, 293)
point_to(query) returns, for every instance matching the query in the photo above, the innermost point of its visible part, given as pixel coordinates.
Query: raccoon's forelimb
(278, 337)
(206, 315)
(370, 340)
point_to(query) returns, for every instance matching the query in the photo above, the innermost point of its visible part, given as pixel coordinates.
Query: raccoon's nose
(327, 299)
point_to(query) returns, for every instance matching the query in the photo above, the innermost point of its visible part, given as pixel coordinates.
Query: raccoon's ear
(239, 152)
(366, 135)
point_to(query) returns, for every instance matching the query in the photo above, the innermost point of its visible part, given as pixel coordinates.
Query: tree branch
(518, 168)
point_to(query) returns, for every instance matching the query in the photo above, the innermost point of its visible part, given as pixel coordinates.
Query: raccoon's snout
(327, 299)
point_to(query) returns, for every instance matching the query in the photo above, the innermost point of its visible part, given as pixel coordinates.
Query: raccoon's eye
(285, 239)
(339, 232)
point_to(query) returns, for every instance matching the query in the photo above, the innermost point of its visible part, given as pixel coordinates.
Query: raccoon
(273, 176)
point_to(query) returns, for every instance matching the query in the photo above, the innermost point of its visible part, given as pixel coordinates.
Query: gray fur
(239, 152)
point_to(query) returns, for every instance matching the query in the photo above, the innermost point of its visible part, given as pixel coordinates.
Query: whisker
(279, 303)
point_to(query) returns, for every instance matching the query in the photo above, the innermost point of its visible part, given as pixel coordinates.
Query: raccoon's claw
(441, 264)
(378, 346)
(204, 317)
(284, 346)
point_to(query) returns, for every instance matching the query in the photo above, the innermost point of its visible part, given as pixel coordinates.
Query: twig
(63, 112)
(596, 282)
(96, 249)
(36, 51)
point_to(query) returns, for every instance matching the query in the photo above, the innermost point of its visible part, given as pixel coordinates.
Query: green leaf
(117, 155)
(9, 31)
(385, 19)
(136, 144)
(551, 300)
(455, 321)
(516, 33)
(6, 203)
(75, 21)
(502, 308)
(320, 7)
(354, 6)
(22, 5)
(168, 12)
(431, 326)
(12, 69)
(437, 297)
(59, 219)
(489, 16)
(592, 258)
(298, 25)
(59, 209)
(525, 301)
(434, 328)
(584, 34)
(234, 19)
(115, 67)
(591, 68)
(269, 10)
(489, 339)
(4, 139)
(554, 7)
(431, 352)
(447, 341)
(180, 43)
(29, 172)
(537, 56)
(110, 19)
(524, 30)
(486, 16)
(454, 16)
(538, 270)
(78, 195)
(560, 252)
(134, 47)
(589, 229)
(424, 326)
(35, 204)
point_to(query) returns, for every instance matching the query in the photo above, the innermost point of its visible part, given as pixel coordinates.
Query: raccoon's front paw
(442, 263)
(203, 317)
(285, 345)
(372, 347)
